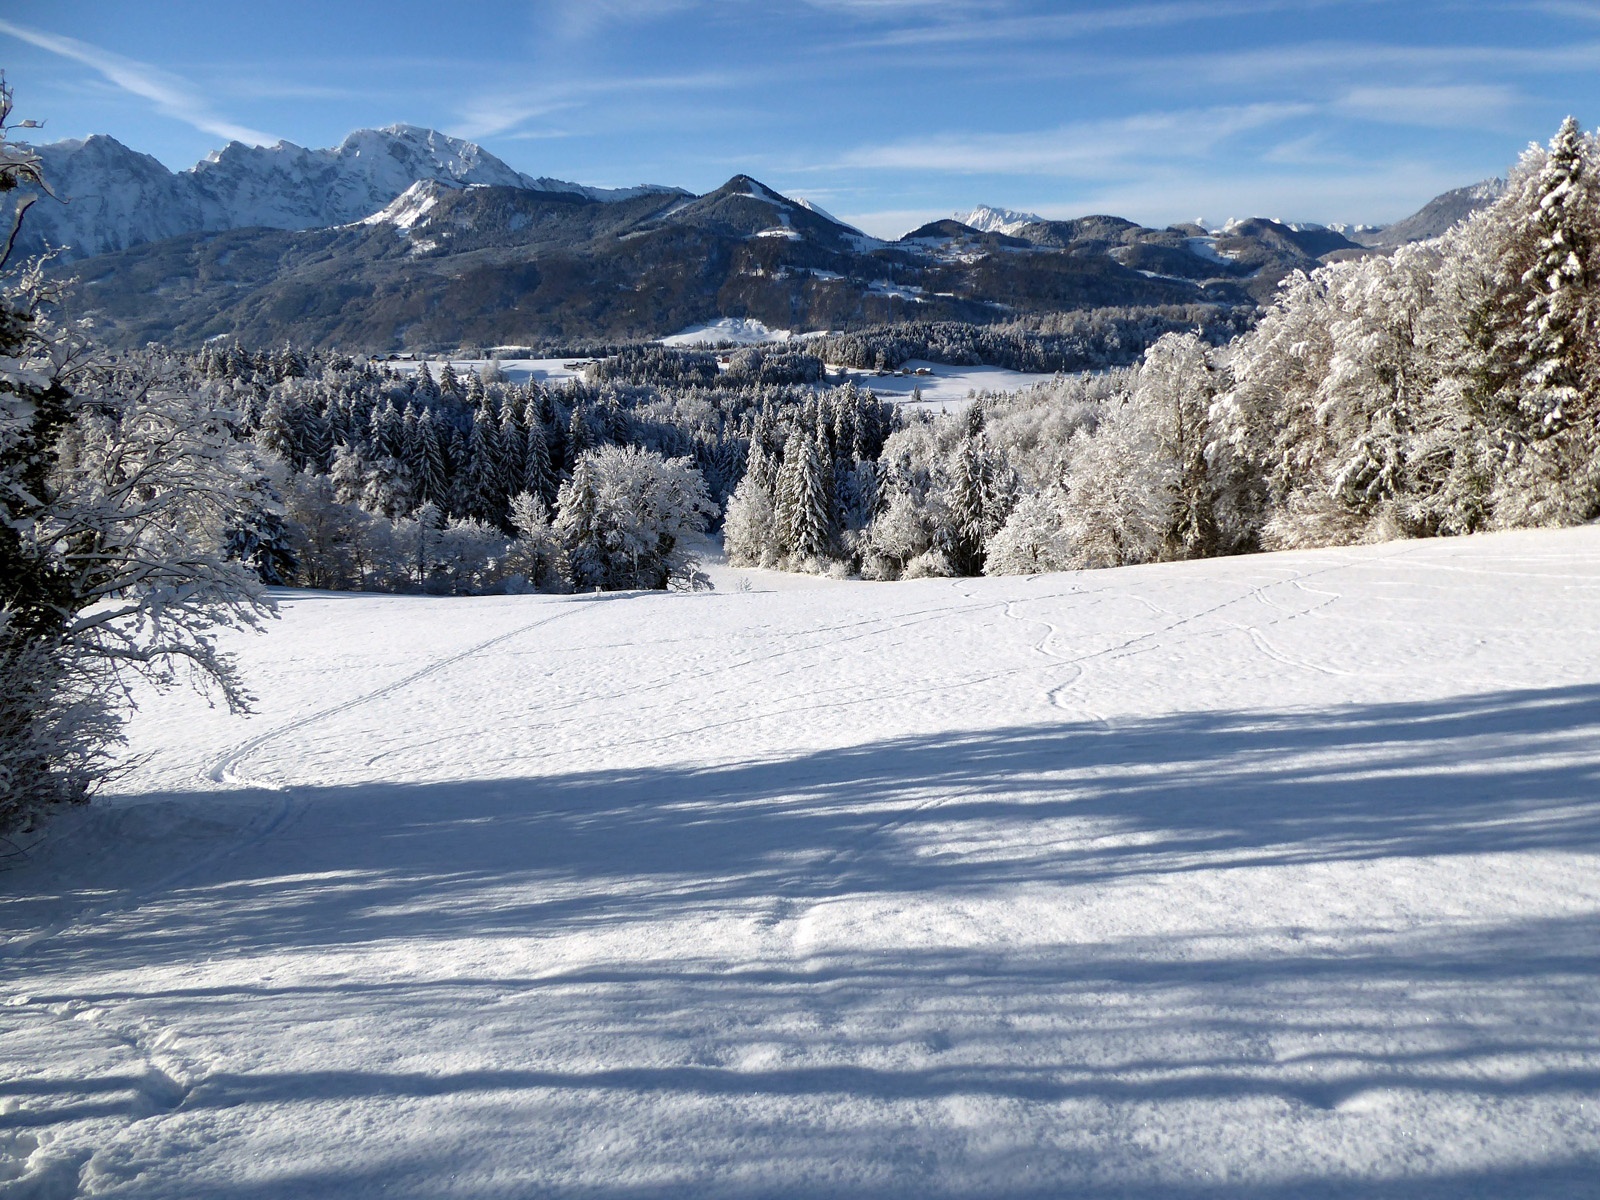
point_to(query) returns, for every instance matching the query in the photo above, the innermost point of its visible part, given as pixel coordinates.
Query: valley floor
(1252, 879)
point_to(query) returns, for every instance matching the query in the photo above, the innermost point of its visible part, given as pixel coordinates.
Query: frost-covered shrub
(930, 564)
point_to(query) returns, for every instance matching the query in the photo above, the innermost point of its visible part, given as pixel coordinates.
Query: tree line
(1449, 388)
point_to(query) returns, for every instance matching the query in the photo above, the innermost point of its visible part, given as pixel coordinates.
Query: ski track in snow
(1269, 877)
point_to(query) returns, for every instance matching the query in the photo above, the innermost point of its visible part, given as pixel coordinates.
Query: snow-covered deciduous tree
(750, 528)
(1035, 538)
(1140, 487)
(118, 556)
(534, 558)
(470, 557)
(623, 518)
(118, 493)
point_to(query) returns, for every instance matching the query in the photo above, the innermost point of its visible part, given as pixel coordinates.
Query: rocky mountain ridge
(114, 198)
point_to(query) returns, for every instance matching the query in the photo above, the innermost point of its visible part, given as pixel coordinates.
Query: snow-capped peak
(124, 198)
(988, 219)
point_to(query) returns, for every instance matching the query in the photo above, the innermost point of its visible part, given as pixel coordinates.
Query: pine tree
(482, 495)
(387, 433)
(969, 491)
(425, 390)
(427, 464)
(580, 437)
(512, 450)
(577, 527)
(803, 503)
(1559, 326)
(449, 382)
(538, 474)
(408, 438)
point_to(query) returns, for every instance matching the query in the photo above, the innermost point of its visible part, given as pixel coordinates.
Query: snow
(409, 207)
(988, 219)
(121, 198)
(827, 216)
(744, 331)
(896, 291)
(516, 369)
(760, 192)
(948, 387)
(1206, 248)
(1274, 876)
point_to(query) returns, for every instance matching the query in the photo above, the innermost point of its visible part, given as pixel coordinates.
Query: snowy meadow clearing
(1260, 877)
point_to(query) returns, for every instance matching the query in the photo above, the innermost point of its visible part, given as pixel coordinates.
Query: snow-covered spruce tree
(483, 493)
(1552, 403)
(426, 464)
(1559, 318)
(578, 528)
(803, 503)
(980, 496)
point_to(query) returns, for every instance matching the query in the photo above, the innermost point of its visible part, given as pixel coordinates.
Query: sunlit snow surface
(1265, 877)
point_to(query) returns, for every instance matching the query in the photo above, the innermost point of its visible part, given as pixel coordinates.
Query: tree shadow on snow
(1165, 796)
(949, 817)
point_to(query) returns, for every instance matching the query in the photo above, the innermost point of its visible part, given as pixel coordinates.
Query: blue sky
(886, 112)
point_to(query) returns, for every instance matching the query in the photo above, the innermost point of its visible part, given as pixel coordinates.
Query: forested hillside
(1448, 388)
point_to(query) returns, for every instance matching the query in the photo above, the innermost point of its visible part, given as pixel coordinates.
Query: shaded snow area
(1258, 878)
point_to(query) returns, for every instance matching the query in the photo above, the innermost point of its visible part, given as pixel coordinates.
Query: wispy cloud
(171, 96)
(1377, 192)
(1582, 10)
(578, 19)
(958, 25)
(888, 9)
(1341, 60)
(501, 112)
(1454, 106)
(1084, 149)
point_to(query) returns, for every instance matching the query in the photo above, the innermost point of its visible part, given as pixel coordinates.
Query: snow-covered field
(516, 370)
(948, 387)
(1266, 877)
(945, 389)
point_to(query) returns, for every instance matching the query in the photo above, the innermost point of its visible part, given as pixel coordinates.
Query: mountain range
(405, 238)
(117, 198)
